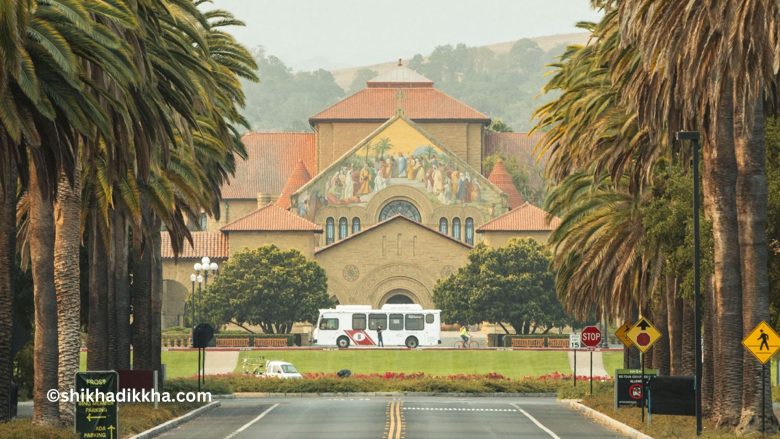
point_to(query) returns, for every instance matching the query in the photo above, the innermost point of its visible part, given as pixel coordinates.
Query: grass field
(177, 363)
(514, 364)
(612, 361)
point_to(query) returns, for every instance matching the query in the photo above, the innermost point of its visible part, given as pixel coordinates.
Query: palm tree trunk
(674, 324)
(7, 265)
(67, 277)
(121, 291)
(708, 348)
(97, 340)
(142, 280)
(720, 175)
(156, 290)
(110, 267)
(41, 240)
(688, 363)
(752, 198)
(661, 347)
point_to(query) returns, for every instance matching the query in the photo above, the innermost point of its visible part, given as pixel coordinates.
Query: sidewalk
(583, 363)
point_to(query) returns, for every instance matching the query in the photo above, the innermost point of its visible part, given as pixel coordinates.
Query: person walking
(764, 338)
(379, 340)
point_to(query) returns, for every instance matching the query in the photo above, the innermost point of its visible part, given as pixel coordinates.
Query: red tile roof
(271, 158)
(380, 104)
(525, 218)
(300, 176)
(211, 244)
(271, 218)
(500, 177)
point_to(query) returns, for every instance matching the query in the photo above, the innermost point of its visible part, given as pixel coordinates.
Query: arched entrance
(399, 297)
(175, 295)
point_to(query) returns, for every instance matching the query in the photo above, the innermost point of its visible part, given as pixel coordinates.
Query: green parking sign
(96, 409)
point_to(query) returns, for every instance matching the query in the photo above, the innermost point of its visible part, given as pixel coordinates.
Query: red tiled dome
(501, 178)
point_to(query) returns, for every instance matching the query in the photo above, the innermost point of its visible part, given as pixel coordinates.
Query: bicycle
(466, 344)
(256, 368)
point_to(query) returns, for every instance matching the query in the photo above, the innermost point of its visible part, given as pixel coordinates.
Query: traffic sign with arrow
(98, 418)
(643, 334)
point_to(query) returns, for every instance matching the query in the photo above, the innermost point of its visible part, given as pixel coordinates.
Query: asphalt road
(390, 418)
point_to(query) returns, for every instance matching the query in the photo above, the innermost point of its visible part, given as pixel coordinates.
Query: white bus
(402, 325)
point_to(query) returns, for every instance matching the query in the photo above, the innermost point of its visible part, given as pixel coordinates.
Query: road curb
(173, 423)
(349, 394)
(603, 419)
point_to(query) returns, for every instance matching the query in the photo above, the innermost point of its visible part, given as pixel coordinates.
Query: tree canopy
(269, 287)
(510, 284)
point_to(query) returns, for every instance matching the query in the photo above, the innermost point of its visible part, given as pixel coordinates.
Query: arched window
(343, 228)
(443, 226)
(400, 207)
(456, 228)
(329, 225)
(355, 225)
(470, 231)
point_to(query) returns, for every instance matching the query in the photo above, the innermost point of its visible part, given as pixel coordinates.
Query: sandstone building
(386, 193)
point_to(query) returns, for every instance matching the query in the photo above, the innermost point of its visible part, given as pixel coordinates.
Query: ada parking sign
(97, 418)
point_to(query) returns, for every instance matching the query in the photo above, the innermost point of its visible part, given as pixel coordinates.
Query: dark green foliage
(268, 287)
(511, 284)
(284, 100)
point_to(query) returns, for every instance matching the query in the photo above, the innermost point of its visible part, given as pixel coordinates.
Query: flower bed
(386, 382)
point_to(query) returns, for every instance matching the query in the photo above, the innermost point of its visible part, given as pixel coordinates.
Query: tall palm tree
(736, 44)
(7, 264)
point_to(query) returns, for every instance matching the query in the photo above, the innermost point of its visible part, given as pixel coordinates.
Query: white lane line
(248, 424)
(538, 424)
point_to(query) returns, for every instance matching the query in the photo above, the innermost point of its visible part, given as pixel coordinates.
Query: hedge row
(226, 384)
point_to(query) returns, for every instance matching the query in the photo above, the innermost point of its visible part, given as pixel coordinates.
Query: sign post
(591, 337)
(763, 342)
(97, 418)
(644, 335)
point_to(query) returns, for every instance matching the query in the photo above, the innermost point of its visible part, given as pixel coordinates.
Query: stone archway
(174, 297)
(399, 297)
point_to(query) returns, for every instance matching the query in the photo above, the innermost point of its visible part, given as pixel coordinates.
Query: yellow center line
(391, 416)
(400, 421)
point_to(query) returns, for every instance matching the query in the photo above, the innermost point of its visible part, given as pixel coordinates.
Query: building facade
(386, 193)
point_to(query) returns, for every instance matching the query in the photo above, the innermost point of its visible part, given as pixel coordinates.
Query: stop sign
(591, 336)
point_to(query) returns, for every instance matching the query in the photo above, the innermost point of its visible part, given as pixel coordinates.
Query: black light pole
(694, 137)
(193, 277)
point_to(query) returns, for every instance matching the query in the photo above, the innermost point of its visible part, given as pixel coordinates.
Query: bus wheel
(342, 342)
(411, 342)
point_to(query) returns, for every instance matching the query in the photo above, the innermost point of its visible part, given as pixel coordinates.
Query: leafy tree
(509, 284)
(268, 287)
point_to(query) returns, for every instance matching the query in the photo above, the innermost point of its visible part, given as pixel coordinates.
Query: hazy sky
(308, 34)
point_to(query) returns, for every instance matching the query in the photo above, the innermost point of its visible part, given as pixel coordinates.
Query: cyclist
(464, 334)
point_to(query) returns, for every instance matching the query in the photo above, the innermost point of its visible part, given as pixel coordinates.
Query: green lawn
(177, 363)
(514, 364)
(612, 361)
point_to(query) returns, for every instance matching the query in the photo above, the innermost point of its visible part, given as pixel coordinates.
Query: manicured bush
(387, 382)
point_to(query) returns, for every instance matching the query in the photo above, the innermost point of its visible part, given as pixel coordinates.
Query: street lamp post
(193, 278)
(202, 270)
(693, 136)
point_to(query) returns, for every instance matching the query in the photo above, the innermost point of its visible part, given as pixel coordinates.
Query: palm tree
(737, 46)
(7, 264)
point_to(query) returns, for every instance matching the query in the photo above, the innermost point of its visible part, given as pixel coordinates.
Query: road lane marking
(391, 419)
(400, 425)
(248, 424)
(459, 409)
(538, 424)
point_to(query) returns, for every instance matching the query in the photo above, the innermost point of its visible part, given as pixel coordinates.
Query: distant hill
(344, 77)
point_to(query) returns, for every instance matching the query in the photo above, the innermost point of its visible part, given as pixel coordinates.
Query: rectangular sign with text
(96, 410)
(629, 390)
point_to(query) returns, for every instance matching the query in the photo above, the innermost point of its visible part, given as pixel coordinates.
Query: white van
(402, 325)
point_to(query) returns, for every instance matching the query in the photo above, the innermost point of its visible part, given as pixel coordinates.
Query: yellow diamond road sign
(622, 332)
(643, 334)
(762, 342)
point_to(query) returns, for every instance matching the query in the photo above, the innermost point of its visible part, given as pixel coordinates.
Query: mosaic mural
(398, 155)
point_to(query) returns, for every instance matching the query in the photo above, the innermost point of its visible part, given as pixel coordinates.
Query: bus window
(414, 322)
(329, 324)
(429, 318)
(359, 321)
(375, 320)
(396, 322)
